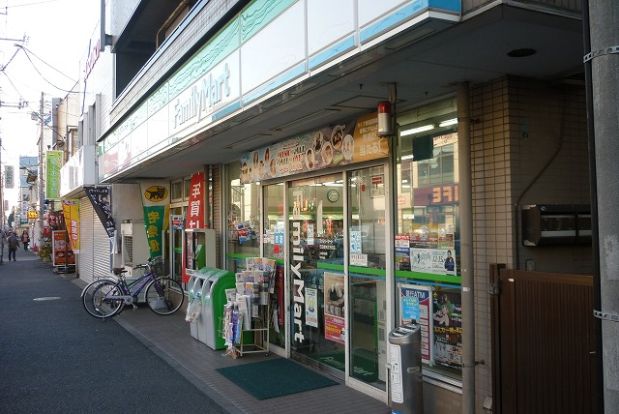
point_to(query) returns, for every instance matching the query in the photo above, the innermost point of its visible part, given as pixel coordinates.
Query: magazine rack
(246, 322)
(256, 339)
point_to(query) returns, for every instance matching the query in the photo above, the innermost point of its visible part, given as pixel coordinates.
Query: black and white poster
(101, 199)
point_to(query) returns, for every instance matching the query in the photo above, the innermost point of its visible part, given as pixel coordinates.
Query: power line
(45, 63)
(43, 77)
(30, 4)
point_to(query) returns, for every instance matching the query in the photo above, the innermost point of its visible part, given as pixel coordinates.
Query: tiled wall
(528, 145)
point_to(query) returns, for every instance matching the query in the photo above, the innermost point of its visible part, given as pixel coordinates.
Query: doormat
(275, 378)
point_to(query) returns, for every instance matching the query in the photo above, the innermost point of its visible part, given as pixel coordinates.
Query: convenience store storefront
(361, 225)
(365, 232)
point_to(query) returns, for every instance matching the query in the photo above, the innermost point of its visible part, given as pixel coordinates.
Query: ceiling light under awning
(417, 130)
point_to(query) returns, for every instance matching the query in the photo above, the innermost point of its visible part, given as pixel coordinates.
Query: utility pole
(41, 179)
(1, 191)
(602, 63)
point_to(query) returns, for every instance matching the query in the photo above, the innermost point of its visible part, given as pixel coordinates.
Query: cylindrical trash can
(406, 387)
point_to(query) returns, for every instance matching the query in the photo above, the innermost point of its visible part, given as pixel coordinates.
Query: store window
(427, 248)
(243, 220)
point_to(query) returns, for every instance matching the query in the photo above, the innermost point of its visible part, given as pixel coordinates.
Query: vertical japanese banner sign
(53, 160)
(195, 211)
(71, 210)
(156, 202)
(101, 199)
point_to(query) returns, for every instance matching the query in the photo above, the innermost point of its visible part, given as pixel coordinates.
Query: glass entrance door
(273, 236)
(315, 272)
(367, 259)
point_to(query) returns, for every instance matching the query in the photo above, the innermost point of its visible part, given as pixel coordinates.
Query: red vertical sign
(195, 209)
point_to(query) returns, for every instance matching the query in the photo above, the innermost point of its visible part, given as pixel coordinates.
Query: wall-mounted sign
(345, 143)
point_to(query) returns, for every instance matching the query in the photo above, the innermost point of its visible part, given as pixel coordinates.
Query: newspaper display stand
(246, 319)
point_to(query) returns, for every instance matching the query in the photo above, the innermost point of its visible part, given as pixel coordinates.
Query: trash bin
(213, 301)
(406, 387)
(194, 293)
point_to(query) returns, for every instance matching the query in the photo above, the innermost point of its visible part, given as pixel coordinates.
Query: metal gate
(543, 342)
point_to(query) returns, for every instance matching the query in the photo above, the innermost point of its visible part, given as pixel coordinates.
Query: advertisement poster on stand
(447, 319)
(334, 307)
(416, 305)
(62, 254)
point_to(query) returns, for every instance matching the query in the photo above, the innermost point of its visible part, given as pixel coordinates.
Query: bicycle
(108, 297)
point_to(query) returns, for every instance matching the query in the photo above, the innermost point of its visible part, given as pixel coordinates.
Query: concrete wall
(528, 145)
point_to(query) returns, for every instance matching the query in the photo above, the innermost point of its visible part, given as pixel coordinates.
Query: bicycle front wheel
(164, 296)
(106, 300)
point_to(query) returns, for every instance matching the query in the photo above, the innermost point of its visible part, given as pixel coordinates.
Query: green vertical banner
(156, 202)
(53, 161)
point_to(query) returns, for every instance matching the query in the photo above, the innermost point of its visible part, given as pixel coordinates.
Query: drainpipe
(466, 250)
(603, 20)
(598, 400)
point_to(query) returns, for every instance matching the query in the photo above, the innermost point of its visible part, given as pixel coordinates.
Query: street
(55, 358)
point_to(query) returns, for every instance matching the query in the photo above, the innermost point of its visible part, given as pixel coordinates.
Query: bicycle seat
(119, 271)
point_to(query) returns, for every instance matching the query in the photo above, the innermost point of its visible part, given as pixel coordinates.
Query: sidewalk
(169, 337)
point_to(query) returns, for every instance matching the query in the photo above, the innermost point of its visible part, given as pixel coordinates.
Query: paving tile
(169, 337)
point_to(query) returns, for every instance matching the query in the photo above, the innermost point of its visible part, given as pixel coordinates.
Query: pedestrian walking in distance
(13, 242)
(25, 240)
(2, 237)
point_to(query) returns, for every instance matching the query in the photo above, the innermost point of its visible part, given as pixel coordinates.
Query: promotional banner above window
(345, 143)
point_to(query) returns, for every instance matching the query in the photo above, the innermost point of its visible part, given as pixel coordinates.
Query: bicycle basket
(157, 265)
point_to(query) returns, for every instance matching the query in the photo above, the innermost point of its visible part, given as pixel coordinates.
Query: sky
(56, 34)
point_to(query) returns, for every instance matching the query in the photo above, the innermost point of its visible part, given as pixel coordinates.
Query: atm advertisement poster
(415, 305)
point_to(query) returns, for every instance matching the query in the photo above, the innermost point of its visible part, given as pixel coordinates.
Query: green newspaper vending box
(213, 301)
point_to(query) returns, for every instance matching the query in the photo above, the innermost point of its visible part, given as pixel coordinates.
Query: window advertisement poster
(436, 261)
(416, 305)
(311, 310)
(402, 252)
(447, 329)
(155, 200)
(62, 254)
(334, 307)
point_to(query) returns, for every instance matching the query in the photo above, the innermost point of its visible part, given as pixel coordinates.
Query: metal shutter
(94, 257)
(85, 258)
(101, 243)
